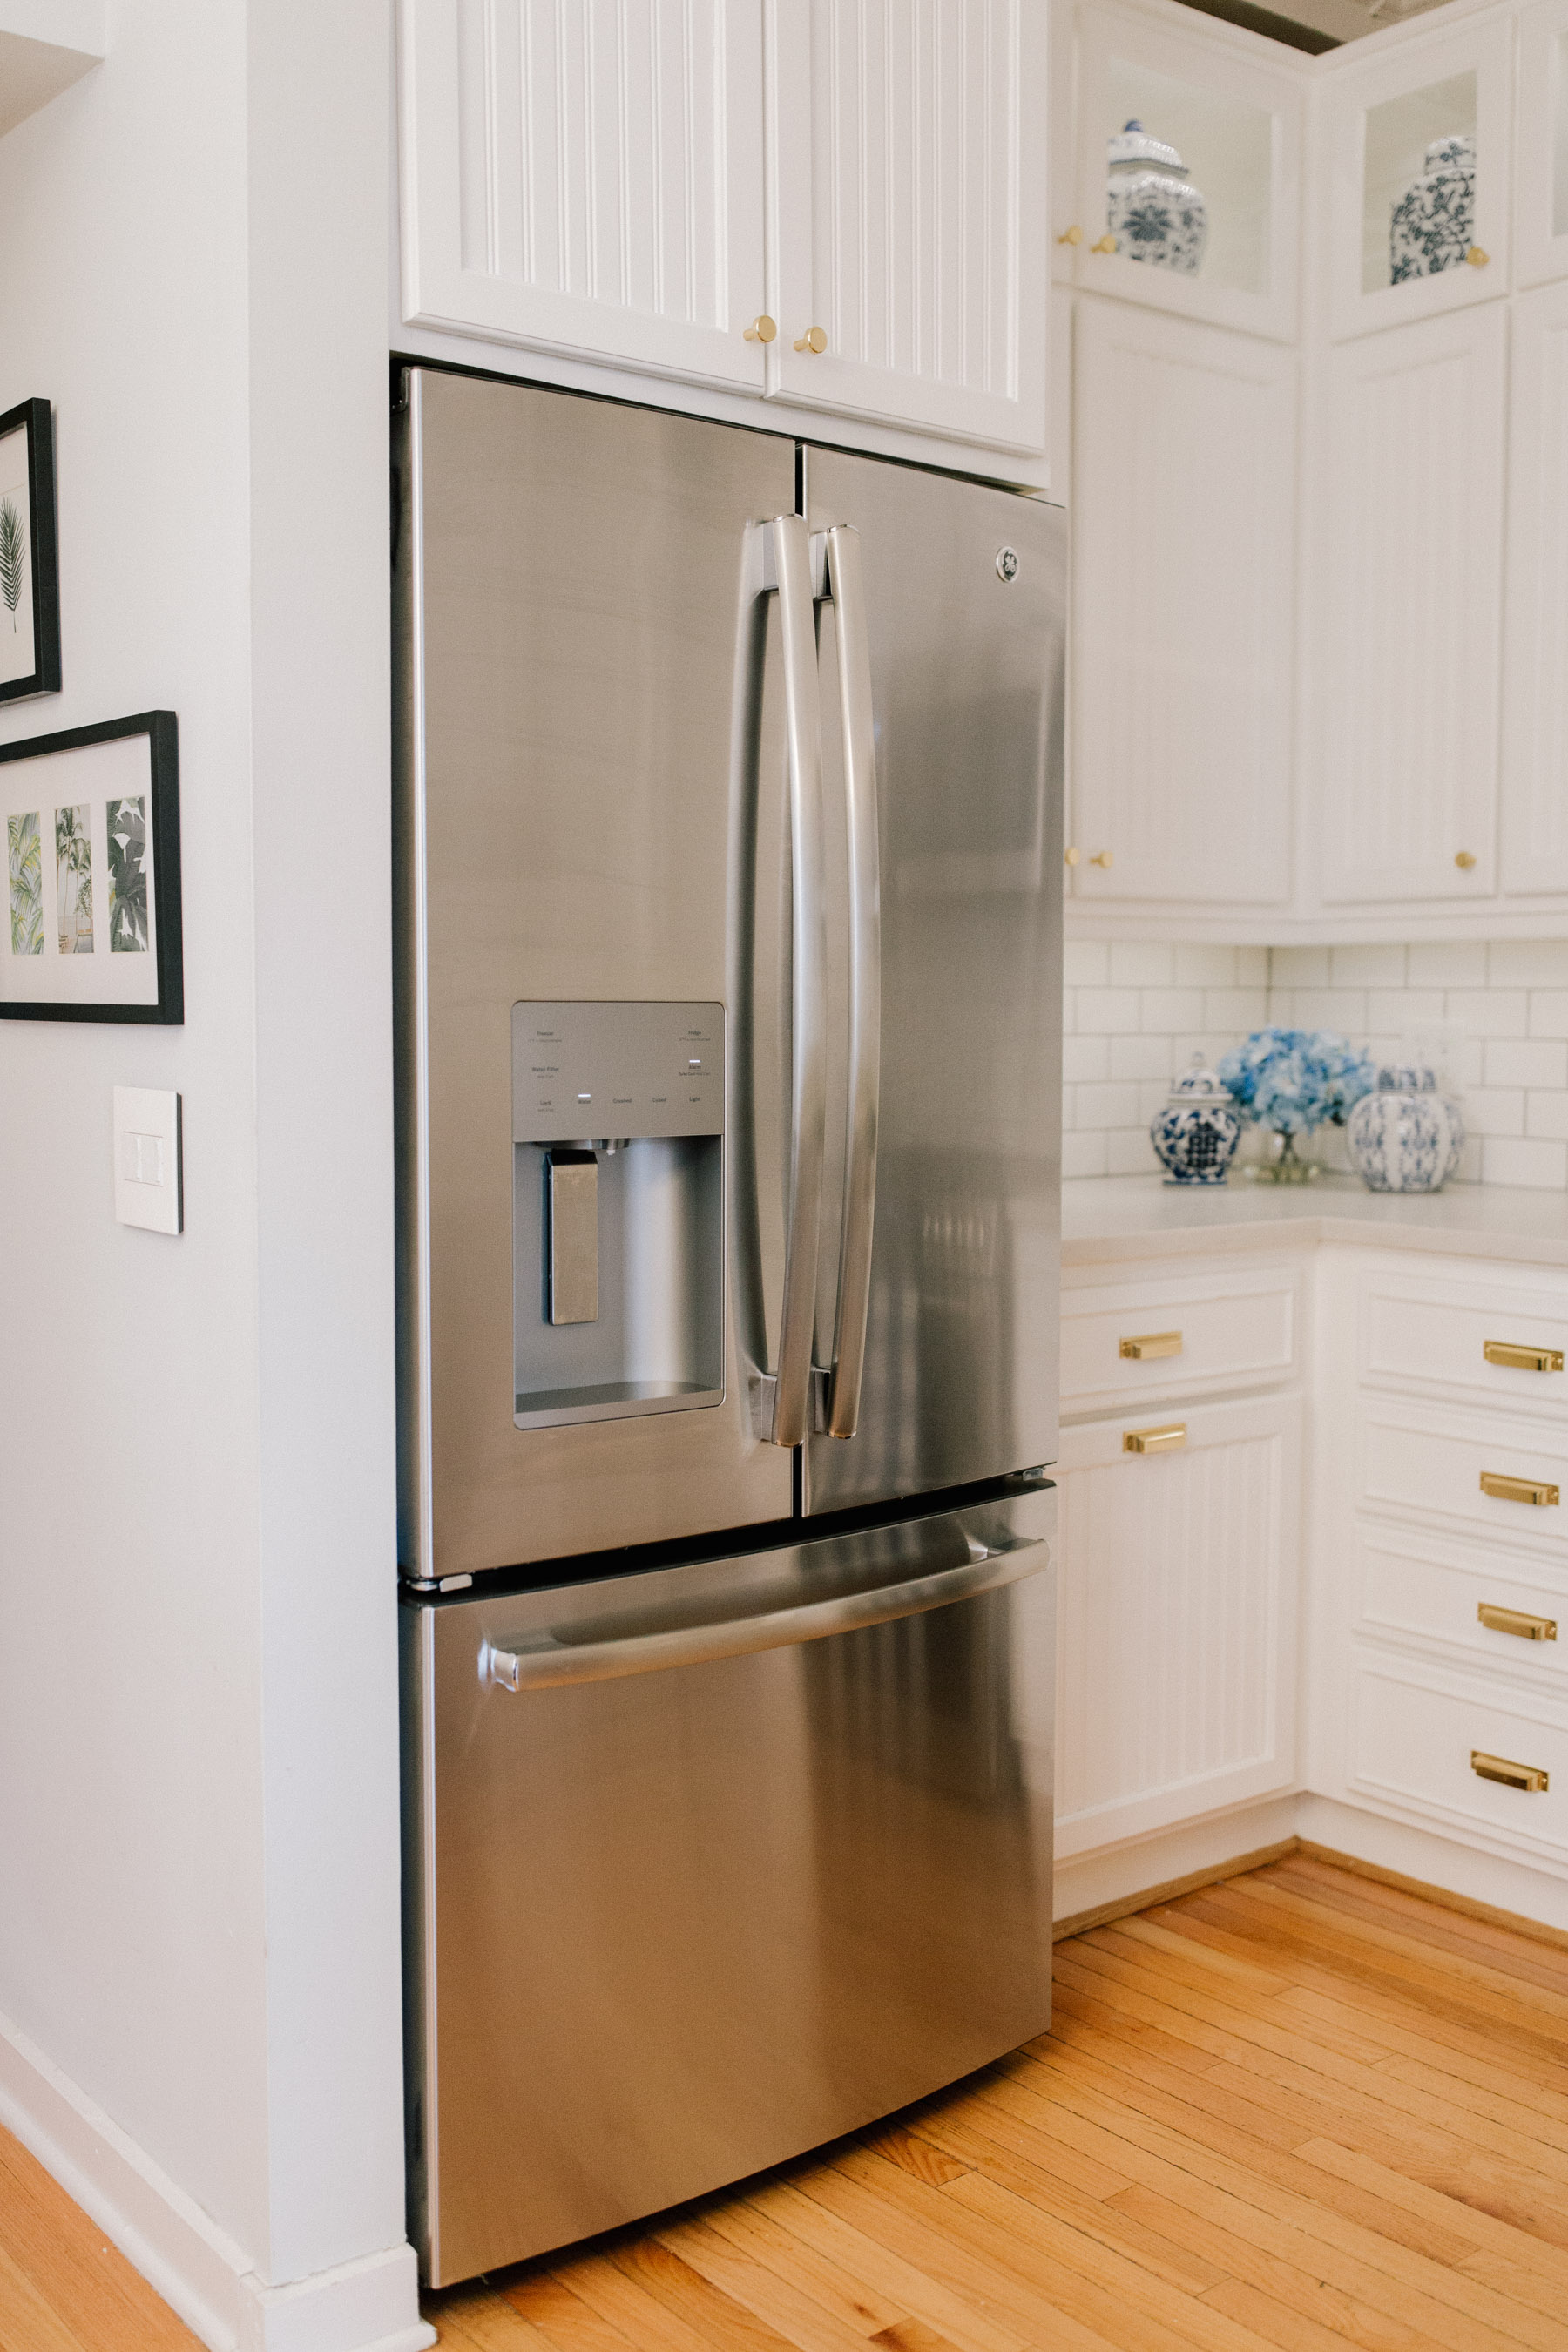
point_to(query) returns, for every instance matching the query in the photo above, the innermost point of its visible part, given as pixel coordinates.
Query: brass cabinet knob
(1144, 1345)
(1168, 1440)
(1071, 857)
(1522, 1356)
(761, 329)
(1464, 859)
(1540, 1492)
(1516, 1620)
(1533, 1777)
(1073, 235)
(1102, 858)
(813, 340)
(1104, 245)
(1478, 257)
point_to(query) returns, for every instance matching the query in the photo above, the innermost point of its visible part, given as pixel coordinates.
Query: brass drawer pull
(1155, 1441)
(1517, 1621)
(1518, 1490)
(1512, 1776)
(1520, 1359)
(1147, 1344)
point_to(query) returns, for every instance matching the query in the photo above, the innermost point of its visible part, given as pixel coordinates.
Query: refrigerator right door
(962, 629)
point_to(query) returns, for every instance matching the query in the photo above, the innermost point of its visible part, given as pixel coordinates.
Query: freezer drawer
(710, 1865)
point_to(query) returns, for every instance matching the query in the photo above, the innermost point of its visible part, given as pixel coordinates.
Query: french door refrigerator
(729, 1017)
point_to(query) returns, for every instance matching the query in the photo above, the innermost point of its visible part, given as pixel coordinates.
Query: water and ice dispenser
(617, 1210)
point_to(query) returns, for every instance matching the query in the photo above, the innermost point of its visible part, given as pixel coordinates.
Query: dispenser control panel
(581, 1072)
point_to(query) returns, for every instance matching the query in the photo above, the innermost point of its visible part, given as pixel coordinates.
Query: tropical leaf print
(25, 847)
(13, 556)
(73, 871)
(128, 877)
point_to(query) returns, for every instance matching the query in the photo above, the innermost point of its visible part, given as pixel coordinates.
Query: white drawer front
(1435, 1592)
(1428, 1462)
(1431, 1335)
(1235, 1330)
(1414, 1731)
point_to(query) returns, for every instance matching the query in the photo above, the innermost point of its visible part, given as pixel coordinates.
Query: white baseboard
(1166, 1856)
(371, 2305)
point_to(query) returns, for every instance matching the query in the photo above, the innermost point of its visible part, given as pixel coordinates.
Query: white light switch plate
(148, 1179)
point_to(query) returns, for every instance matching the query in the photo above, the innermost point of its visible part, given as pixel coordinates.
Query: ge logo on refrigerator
(1007, 564)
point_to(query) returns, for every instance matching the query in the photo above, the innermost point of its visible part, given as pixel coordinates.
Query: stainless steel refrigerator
(729, 1018)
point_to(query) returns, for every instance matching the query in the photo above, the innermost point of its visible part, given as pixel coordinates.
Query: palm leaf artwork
(13, 556)
(25, 848)
(128, 876)
(73, 867)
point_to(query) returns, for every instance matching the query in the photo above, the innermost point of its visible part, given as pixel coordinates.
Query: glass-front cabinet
(1417, 150)
(1540, 203)
(1180, 175)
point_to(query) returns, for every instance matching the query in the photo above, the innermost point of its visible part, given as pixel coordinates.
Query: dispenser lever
(572, 1236)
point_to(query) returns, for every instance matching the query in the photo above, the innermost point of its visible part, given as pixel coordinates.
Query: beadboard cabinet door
(1535, 633)
(906, 268)
(1177, 1636)
(587, 180)
(1184, 601)
(1408, 598)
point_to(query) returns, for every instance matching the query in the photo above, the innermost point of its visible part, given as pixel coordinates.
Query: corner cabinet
(833, 203)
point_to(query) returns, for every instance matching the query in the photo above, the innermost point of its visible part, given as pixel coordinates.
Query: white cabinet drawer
(1435, 1592)
(1432, 1335)
(1427, 1462)
(1203, 1333)
(1414, 1731)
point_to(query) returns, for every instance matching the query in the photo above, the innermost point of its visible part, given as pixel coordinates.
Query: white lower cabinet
(1176, 1648)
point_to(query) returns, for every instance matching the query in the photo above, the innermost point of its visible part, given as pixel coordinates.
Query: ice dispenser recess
(617, 1122)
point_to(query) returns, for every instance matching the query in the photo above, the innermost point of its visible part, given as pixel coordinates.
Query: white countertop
(1109, 1219)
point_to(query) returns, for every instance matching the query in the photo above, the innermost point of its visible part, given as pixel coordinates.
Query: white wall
(198, 1776)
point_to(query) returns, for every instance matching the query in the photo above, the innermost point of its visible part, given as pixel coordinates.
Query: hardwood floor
(1300, 2109)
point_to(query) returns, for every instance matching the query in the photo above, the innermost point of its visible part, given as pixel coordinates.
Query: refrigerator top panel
(589, 715)
(962, 589)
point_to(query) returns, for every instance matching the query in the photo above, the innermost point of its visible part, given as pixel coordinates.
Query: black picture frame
(37, 419)
(162, 730)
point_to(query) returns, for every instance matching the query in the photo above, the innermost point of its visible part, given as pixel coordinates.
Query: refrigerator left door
(589, 722)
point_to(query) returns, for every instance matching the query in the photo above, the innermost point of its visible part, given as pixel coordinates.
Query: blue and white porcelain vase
(1151, 208)
(1432, 227)
(1196, 1132)
(1404, 1136)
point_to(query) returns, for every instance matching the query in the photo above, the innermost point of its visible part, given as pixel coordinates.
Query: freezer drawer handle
(1512, 1776)
(1520, 1359)
(988, 1570)
(1516, 1620)
(1518, 1490)
(865, 979)
(783, 1406)
(1155, 1441)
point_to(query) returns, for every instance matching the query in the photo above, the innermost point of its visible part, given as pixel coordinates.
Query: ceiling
(1314, 25)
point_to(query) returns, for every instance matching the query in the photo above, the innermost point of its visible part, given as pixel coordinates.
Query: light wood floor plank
(853, 2301)
(1363, 1899)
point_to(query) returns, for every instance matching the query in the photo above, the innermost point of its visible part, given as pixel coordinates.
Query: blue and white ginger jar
(1196, 1132)
(1151, 208)
(1404, 1136)
(1432, 227)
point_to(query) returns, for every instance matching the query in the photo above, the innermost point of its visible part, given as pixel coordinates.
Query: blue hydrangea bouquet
(1291, 1081)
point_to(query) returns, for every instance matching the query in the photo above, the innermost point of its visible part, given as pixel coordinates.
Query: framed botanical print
(29, 566)
(91, 823)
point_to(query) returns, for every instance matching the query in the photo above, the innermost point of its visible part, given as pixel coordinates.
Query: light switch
(148, 1177)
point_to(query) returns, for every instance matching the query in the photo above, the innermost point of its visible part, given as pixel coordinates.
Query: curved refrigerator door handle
(792, 1387)
(865, 979)
(552, 1661)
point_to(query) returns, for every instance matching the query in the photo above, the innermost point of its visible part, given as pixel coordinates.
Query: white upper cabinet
(1417, 174)
(1182, 601)
(908, 146)
(1540, 177)
(859, 230)
(1535, 630)
(1180, 185)
(1408, 601)
(588, 179)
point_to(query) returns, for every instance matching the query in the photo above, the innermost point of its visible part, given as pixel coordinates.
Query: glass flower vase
(1287, 1167)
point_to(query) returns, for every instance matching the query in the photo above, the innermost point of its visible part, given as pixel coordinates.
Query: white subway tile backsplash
(1135, 963)
(1493, 1018)
(1540, 1164)
(1541, 1062)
